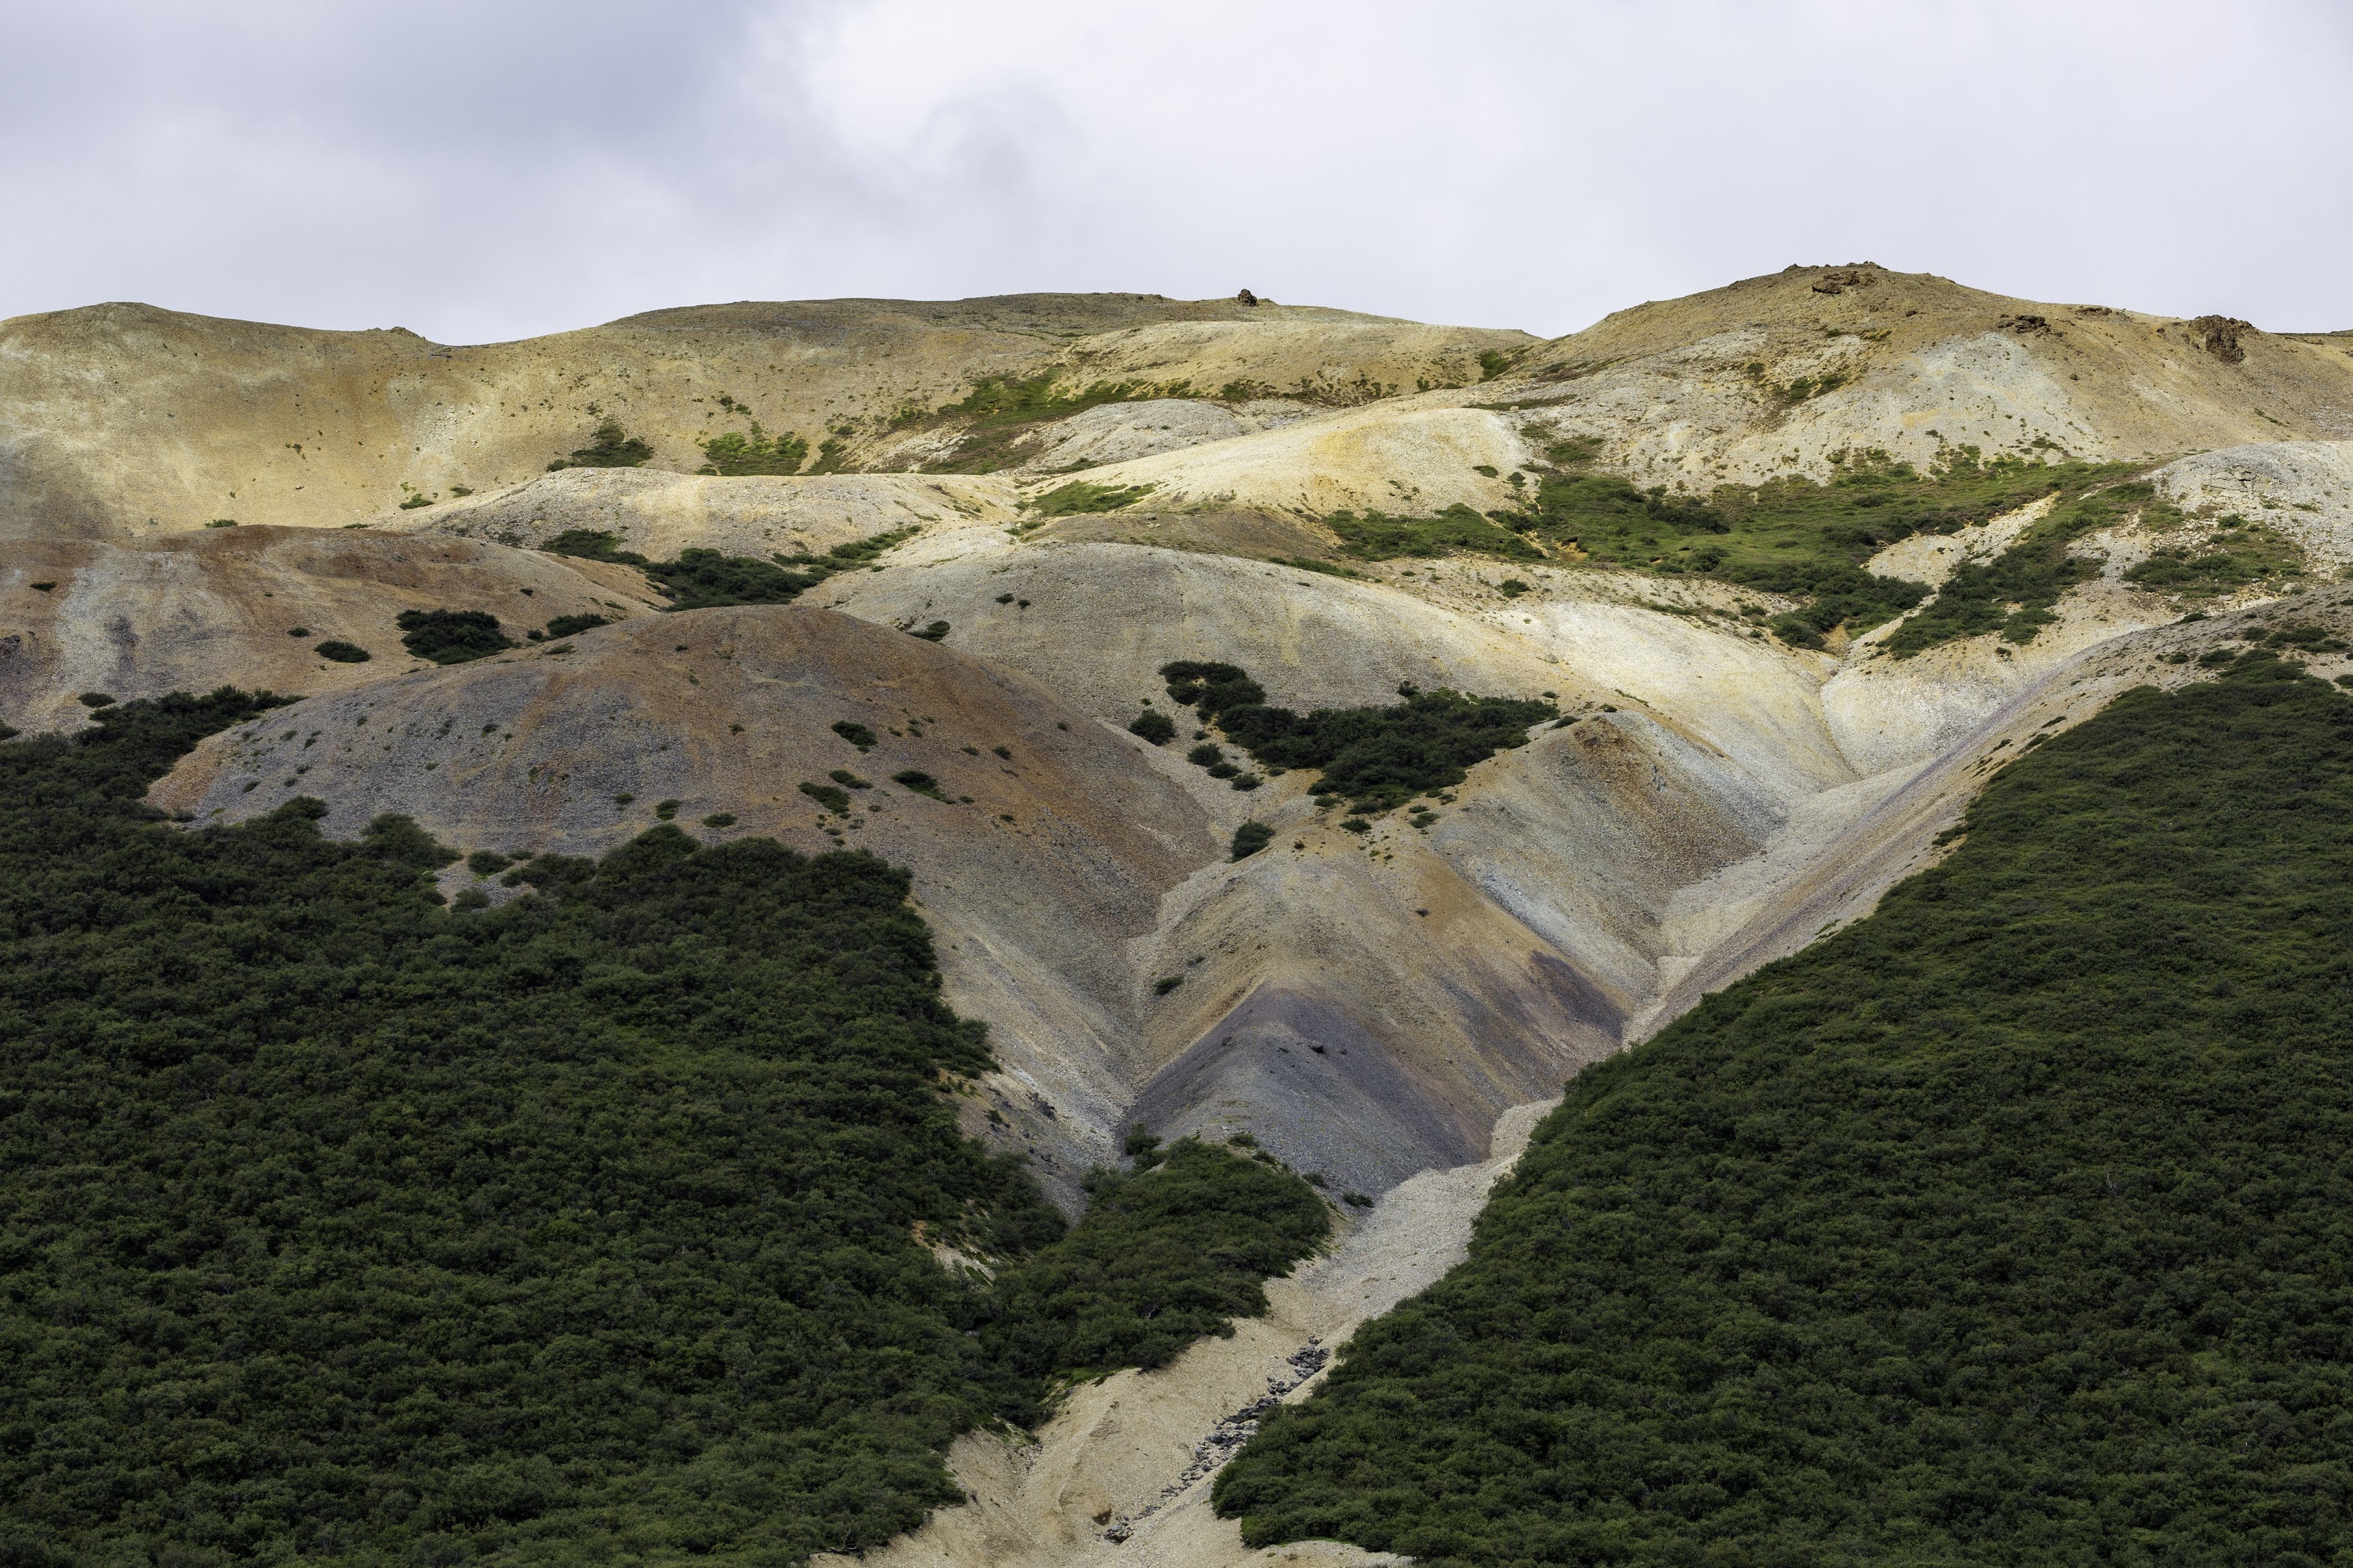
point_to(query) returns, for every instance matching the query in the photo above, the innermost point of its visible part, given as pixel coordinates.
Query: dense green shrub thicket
(451, 637)
(2013, 1225)
(1379, 757)
(704, 579)
(1166, 1253)
(339, 1226)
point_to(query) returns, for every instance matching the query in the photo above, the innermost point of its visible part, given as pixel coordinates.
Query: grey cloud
(493, 170)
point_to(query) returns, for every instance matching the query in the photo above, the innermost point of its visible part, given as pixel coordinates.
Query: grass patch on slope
(2238, 554)
(340, 1227)
(1789, 536)
(2011, 1225)
(704, 579)
(1376, 536)
(1378, 757)
(2016, 593)
(1001, 413)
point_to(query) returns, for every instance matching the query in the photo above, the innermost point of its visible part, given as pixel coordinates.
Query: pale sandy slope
(120, 419)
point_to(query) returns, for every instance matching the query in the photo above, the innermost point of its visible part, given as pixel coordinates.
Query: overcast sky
(486, 169)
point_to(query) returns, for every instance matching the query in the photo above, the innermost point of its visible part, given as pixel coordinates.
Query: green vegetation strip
(2013, 1224)
(338, 1225)
(1378, 757)
(705, 579)
(1809, 540)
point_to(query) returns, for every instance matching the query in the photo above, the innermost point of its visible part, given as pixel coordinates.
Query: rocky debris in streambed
(1228, 1437)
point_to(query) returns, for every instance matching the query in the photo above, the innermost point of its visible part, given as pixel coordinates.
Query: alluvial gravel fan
(2013, 1225)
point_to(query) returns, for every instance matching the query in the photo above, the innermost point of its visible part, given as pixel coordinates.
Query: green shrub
(610, 447)
(1377, 536)
(568, 625)
(594, 544)
(342, 652)
(704, 579)
(1000, 413)
(409, 503)
(849, 780)
(1154, 726)
(1163, 1256)
(2009, 1225)
(1250, 838)
(2015, 592)
(2238, 554)
(936, 632)
(737, 454)
(719, 819)
(1078, 497)
(222, 522)
(836, 801)
(584, 1224)
(918, 781)
(451, 637)
(1205, 755)
(1379, 757)
(1790, 536)
(857, 734)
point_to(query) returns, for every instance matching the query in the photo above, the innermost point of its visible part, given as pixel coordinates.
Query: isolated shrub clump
(834, 799)
(1250, 838)
(734, 453)
(1379, 757)
(451, 637)
(1154, 726)
(705, 579)
(2011, 1225)
(342, 652)
(610, 447)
